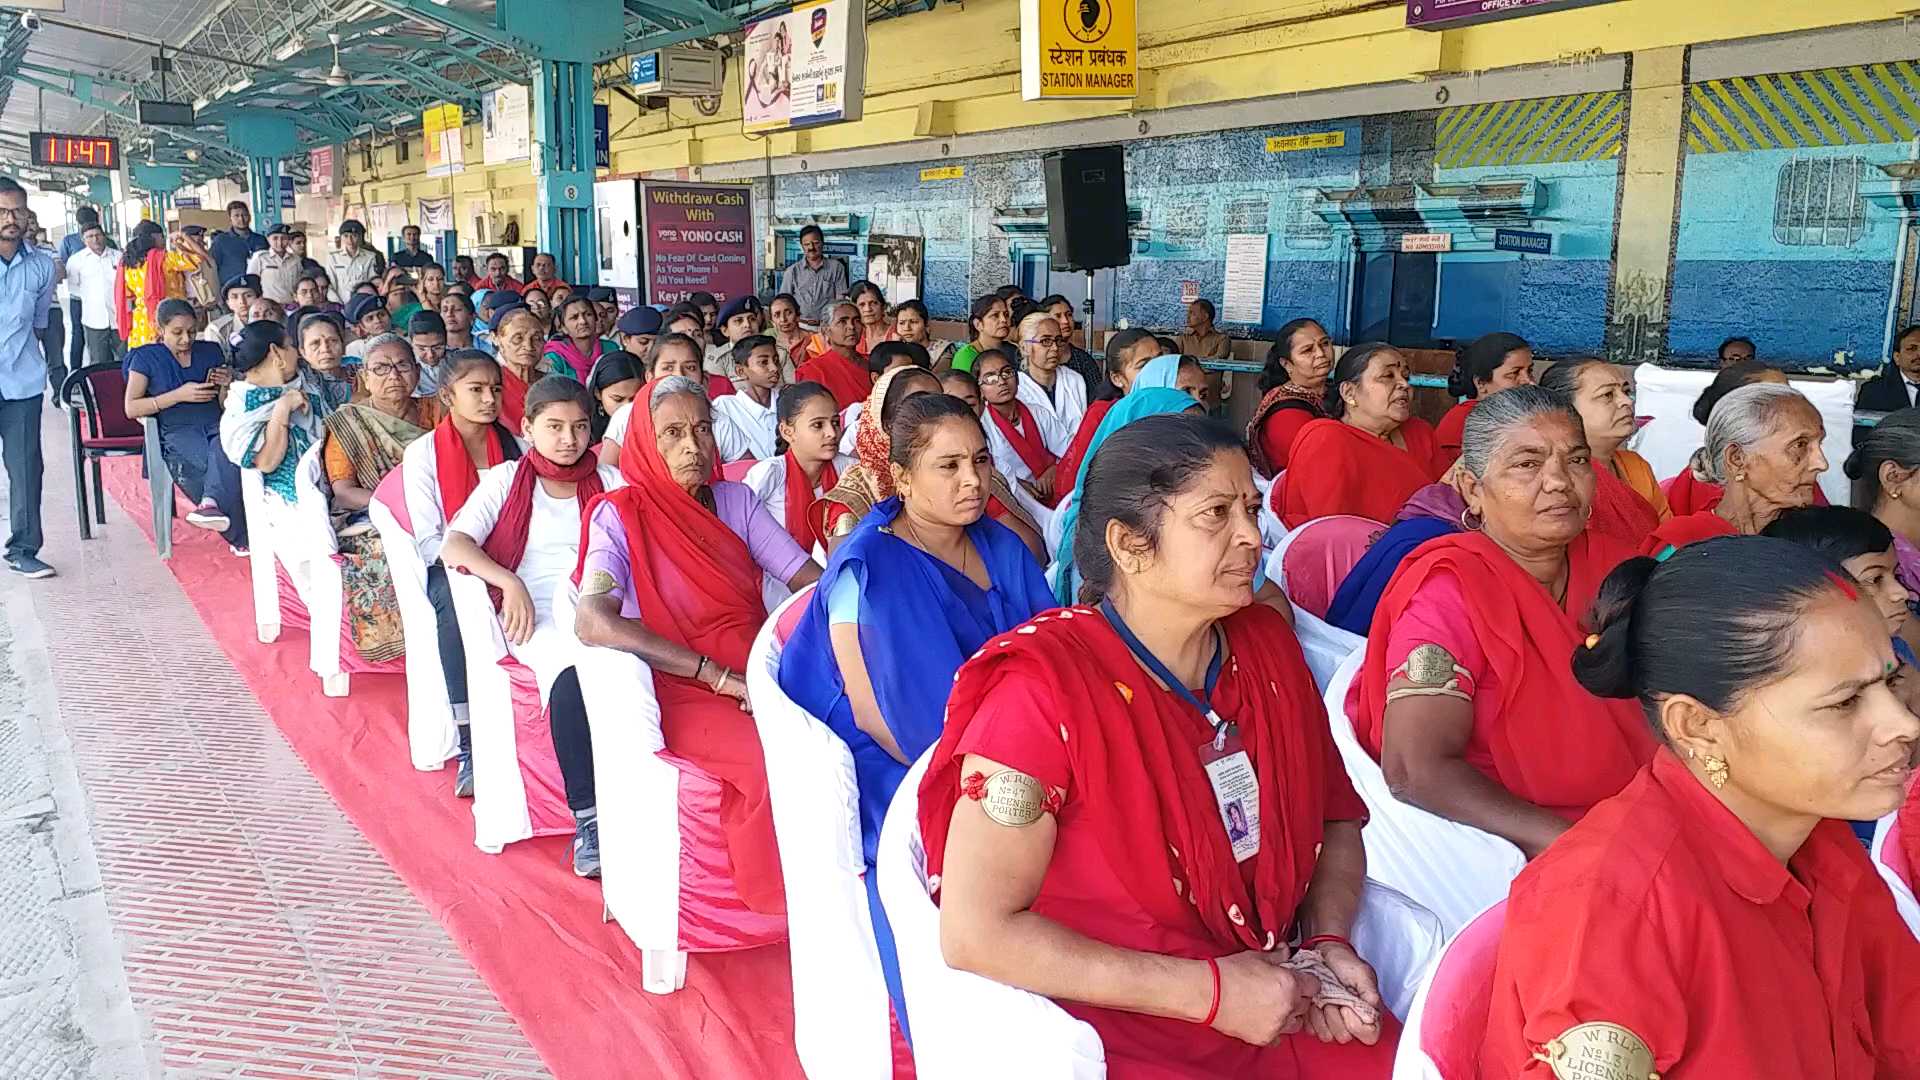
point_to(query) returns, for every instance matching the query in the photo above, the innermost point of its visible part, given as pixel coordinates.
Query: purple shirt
(737, 507)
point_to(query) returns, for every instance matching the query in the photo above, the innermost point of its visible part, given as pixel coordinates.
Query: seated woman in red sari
(1136, 808)
(1627, 503)
(1763, 451)
(1685, 494)
(670, 572)
(1491, 364)
(1128, 353)
(1294, 389)
(519, 336)
(1370, 454)
(1716, 918)
(833, 358)
(1465, 696)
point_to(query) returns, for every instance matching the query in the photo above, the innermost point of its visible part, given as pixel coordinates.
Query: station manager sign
(1078, 49)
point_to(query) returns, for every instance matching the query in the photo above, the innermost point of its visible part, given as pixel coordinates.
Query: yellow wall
(955, 71)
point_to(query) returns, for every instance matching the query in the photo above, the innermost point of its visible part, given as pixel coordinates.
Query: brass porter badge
(1598, 1051)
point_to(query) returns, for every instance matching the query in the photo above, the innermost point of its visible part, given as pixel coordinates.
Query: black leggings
(453, 655)
(572, 743)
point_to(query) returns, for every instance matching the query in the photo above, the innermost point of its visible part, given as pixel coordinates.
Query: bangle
(1213, 1008)
(725, 674)
(1327, 939)
(699, 667)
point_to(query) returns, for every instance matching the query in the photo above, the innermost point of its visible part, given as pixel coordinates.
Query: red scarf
(1027, 442)
(847, 381)
(1354, 472)
(1618, 511)
(1076, 454)
(156, 291)
(455, 469)
(513, 398)
(1137, 779)
(1678, 532)
(800, 498)
(1553, 744)
(507, 543)
(1452, 430)
(693, 577)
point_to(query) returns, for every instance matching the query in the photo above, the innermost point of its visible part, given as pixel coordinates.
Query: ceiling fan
(338, 76)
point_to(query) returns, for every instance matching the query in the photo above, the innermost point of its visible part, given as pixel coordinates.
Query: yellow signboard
(441, 145)
(1319, 140)
(1078, 49)
(943, 172)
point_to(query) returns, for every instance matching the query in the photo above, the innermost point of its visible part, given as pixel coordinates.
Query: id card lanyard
(1202, 702)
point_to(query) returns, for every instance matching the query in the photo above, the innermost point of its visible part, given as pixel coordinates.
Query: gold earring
(1716, 771)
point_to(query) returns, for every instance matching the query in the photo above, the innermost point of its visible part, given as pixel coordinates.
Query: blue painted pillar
(265, 136)
(159, 182)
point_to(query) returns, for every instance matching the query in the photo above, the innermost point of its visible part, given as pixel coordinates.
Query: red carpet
(531, 929)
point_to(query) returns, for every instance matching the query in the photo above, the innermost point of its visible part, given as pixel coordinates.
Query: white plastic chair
(840, 1005)
(1890, 858)
(1448, 1019)
(432, 736)
(300, 538)
(1453, 870)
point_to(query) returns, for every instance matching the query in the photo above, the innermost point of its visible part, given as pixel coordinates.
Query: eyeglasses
(1050, 342)
(1000, 376)
(388, 371)
(15, 211)
(432, 351)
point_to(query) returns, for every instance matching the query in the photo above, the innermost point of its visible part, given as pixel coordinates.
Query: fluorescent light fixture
(243, 83)
(292, 45)
(201, 103)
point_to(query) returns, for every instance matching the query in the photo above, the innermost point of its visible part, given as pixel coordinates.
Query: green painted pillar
(265, 136)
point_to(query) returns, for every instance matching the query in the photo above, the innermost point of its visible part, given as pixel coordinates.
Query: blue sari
(907, 598)
(1360, 592)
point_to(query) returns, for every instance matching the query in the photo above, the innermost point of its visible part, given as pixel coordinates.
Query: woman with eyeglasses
(1055, 392)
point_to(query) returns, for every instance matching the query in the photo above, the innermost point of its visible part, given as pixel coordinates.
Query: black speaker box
(1087, 208)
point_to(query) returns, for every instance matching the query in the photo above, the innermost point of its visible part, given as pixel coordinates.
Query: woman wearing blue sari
(920, 584)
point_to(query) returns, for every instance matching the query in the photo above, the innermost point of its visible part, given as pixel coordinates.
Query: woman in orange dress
(1627, 503)
(1491, 364)
(151, 271)
(1370, 453)
(1763, 451)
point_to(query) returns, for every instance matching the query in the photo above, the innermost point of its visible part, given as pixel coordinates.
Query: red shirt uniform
(1660, 912)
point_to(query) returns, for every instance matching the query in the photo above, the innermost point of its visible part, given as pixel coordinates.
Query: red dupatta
(1452, 431)
(1692, 528)
(155, 289)
(1026, 440)
(694, 579)
(513, 397)
(1076, 454)
(1553, 744)
(1618, 511)
(1337, 468)
(800, 497)
(507, 543)
(847, 381)
(1137, 778)
(453, 467)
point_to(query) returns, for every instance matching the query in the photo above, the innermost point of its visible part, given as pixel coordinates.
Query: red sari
(513, 398)
(1452, 432)
(847, 381)
(1691, 529)
(1076, 454)
(1277, 421)
(1619, 512)
(1340, 469)
(697, 585)
(1687, 495)
(1545, 739)
(1141, 859)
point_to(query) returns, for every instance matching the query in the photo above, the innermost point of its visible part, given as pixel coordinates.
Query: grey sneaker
(586, 848)
(29, 567)
(208, 516)
(463, 777)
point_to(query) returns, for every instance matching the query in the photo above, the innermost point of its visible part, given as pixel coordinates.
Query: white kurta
(751, 428)
(1010, 466)
(1060, 414)
(420, 484)
(768, 480)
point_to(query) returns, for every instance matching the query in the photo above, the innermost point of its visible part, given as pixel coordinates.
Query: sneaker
(29, 567)
(463, 777)
(208, 516)
(586, 848)
(238, 551)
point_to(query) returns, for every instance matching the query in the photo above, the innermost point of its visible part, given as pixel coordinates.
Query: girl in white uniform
(809, 435)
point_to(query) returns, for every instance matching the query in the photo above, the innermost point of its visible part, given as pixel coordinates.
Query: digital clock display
(75, 151)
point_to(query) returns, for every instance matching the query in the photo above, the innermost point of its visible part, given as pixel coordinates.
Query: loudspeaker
(1087, 208)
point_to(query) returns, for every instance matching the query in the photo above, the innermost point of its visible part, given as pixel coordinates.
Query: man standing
(545, 274)
(354, 262)
(70, 245)
(90, 277)
(814, 280)
(278, 268)
(233, 247)
(26, 297)
(411, 255)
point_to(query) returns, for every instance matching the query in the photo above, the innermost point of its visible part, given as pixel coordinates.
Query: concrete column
(1649, 203)
(563, 155)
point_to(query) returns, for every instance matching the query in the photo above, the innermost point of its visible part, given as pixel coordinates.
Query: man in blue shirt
(26, 298)
(234, 246)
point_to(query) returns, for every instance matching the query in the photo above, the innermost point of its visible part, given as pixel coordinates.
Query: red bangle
(1323, 939)
(1213, 1009)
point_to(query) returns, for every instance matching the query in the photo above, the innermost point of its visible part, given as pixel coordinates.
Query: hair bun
(1855, 466)
(1603, 662)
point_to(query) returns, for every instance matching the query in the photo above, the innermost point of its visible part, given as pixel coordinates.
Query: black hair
(1008, 292)
(1838, 532)
(958, 375)
(1715, 621)
(1896, 439)
(914, 306)
(1132, 477)
(1563, 377)
(465, 299)
(572, 299)
(146, 237)
(257, 340)
(330, 318)
(665, 342)
(913, 423)
(238, 204)
(1118, 346)
(87, 217)
(1274, 375)
(1004, 352)
(1731, 378)
(897, 392)
(1477, 362)
(886, 352)
(614, 366)
(981, 305)
(492, 255)
(787, 296)
(743, 349)
(1721, 352)
(815, 230)
(557, 390)
(701, 300)
(405, 296)
(458, 362)
(1168, 346)
(867, 286)
(171, 309)
(426, 321)
(683, 310)
(1353, 364)
(1899, 339)
(1206, 305)
(1052, 300)
(1020, 308)
(792, 399)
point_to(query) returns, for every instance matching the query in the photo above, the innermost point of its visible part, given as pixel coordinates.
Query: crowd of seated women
(1053, 589)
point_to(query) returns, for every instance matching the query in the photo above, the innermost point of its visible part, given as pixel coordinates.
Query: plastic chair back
(1890, 858)
(103, 401)
(1448, 1021)
(432, 736)
(1314, 559)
